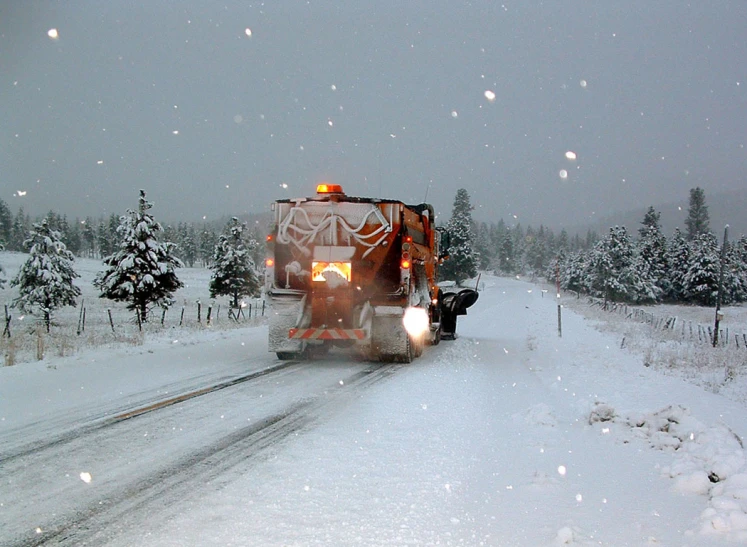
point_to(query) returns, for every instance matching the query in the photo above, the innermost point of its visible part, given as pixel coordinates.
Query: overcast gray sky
(218, 108)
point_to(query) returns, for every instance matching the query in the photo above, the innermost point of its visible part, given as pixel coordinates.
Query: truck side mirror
(444, 244)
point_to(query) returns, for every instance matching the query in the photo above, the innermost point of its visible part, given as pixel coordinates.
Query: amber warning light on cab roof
(325, 188)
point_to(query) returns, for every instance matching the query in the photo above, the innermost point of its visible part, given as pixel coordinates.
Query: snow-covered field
(97, 330)
(509, 435)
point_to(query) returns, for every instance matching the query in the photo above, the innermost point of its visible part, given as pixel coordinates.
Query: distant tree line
(97, 237)
(652, 268)
(646, 267)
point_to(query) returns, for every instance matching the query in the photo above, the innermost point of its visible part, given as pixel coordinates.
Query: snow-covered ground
(509, 435)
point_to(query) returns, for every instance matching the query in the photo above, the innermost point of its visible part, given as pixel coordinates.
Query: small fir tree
(697, 221)
(142, 271)
(45, 280)
(462, 261)
(232, 265)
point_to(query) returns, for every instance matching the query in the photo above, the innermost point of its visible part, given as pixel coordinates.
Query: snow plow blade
(453, 305)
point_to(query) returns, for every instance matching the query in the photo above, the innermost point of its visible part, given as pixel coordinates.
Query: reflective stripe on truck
(327, 334)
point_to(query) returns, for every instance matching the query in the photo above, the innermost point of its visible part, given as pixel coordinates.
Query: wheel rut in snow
(110, 418)
(126, 508)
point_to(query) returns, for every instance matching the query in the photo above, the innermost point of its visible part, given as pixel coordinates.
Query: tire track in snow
(112, 512)
(124, 413)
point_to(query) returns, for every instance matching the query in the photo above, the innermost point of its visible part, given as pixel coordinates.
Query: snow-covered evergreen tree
(482, 245)
(651, 259)
(506, 255)
(232, 265)
(188, 243)
(6, 223)
(45, 280)
(737, 270)
(207, 243)
(701, 279)
(142, 270)
(2, 270)
(462, 261)
(697, 221)
(612, 271)
(678, 260)
(537, 251)
(89, 238)
(19, 231)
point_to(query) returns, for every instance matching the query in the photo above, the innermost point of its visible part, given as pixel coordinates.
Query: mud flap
(285, 314)
(389, 339)
(452, 306)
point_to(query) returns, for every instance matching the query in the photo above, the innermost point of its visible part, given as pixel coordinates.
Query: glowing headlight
(415, 321)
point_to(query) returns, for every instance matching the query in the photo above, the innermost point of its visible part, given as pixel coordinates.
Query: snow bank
(706, 461)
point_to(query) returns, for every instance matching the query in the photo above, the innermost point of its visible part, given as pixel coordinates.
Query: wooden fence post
(6, 330)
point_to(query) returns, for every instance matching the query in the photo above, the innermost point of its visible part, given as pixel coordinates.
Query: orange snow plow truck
(356, 273)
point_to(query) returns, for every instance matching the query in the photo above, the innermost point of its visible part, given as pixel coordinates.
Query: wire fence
(682, 329)
(93, 323)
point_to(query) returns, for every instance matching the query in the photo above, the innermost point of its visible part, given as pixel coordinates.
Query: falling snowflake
(53, 34)
(248, 32)
(570, 155)
(563, 174)
(489, 95)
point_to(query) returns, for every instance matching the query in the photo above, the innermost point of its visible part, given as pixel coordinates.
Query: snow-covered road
(509, 435)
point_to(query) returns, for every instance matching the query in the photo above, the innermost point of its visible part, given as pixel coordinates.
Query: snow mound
(540, 414)
(601, 412)
(707, 461)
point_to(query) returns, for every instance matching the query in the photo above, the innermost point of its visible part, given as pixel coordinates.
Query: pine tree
(506, 255)
(697, 221)
(6, 223)
(45, 280)
(2, 270)
(613, 275)
(232, 265)
(462, 261)
(188, 244)
(737, 268)
(652, 258)
(74, 239)
(678, 260)
(142, 271)
(88, 238)
(208, 241)
(701, 279)
(19, 232)
(537, 251)
(482, 245)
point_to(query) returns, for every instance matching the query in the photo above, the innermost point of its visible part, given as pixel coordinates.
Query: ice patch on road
(706, 461)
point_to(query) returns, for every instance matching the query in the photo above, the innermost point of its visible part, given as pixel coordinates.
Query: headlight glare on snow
(415, 321)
